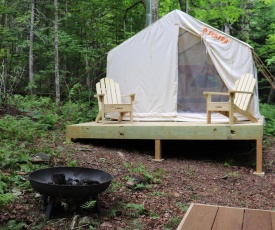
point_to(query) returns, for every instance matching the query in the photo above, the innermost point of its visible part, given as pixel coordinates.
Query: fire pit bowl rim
(40, 181)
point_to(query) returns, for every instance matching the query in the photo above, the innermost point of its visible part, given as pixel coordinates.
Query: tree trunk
(271, 96)
(184, 5)
(4, 63)
(155, 10)
(227, 29)
(64, 74)
(87, 62)
(31, 75)
(245, 20)
(56, 55)
(182, 8)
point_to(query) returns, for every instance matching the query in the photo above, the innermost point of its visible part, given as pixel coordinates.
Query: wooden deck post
(68, 136)
(158, 150)
(259, 157)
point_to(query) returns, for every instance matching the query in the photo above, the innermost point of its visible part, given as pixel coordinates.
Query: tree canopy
(88, 29)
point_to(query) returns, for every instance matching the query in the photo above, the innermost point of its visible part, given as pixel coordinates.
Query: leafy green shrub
(3, 183)
(44, 111)
(140, 169)
(40, 109)
(268, 111)
(116, 209)
(12, 224)
(134, 210)
(172, 223)
(79, 94)
(183, 207)
(82, 106)
(48, 120)
(31, 103)
(18, 135)
(6, 198)
(77, 113)
(15, 158)
(21, 129)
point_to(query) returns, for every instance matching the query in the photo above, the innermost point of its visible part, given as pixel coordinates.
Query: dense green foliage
(261, 37)
(268, 111)
(33, 130)
(87, 30)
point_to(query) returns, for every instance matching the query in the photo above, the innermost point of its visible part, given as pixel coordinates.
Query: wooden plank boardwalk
(210, 217)
(159, 131)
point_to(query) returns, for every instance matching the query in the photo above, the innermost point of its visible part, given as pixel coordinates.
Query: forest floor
(208, 172)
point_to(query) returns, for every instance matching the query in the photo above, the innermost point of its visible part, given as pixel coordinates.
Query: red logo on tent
(214, 35)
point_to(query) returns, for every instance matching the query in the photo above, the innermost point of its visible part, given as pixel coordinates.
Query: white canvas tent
(171, 63)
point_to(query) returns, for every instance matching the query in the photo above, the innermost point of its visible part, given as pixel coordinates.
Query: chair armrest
(216, 93)
(130, 95)
(233, 91)
(100, 97)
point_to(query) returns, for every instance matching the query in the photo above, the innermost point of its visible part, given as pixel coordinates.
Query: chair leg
(208, 117)
(227, 114)
(231, 110)
(231, 118)
(122, 114)
(98, 117)
(120, 117)
(131, 116)
(102, 117)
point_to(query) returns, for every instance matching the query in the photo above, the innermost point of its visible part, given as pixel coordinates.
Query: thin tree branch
(132, 6)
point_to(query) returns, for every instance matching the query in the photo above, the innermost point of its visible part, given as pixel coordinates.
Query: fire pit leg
(45, 199)
(50, 207)
(97, 205)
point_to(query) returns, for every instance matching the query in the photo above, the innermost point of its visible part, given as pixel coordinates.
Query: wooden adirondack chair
(110, 100)
(239, 100)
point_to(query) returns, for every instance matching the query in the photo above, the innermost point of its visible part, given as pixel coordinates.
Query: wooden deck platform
(210, 217)
(171, 131)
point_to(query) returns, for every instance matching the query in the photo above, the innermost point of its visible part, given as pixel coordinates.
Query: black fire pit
(69, 182)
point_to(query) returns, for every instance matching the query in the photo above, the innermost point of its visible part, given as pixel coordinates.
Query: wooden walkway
(210, 217)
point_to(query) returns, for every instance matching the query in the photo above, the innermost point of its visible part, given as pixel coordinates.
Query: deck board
(273, 220)
(200, 217)
(229, 219)
(212, 217)
(257, 219)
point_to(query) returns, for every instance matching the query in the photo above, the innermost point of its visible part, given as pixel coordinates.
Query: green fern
(6, 198)
(89, 204)
(134, 210)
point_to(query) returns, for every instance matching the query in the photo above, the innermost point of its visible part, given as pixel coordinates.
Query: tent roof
(179, 14)
(148, 64)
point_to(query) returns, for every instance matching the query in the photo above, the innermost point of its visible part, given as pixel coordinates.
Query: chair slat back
(245, 83)
(110, 89)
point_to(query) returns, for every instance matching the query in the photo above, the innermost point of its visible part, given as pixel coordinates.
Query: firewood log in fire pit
(60, 179)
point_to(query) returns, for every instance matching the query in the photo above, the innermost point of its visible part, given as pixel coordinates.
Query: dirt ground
(208, 172)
